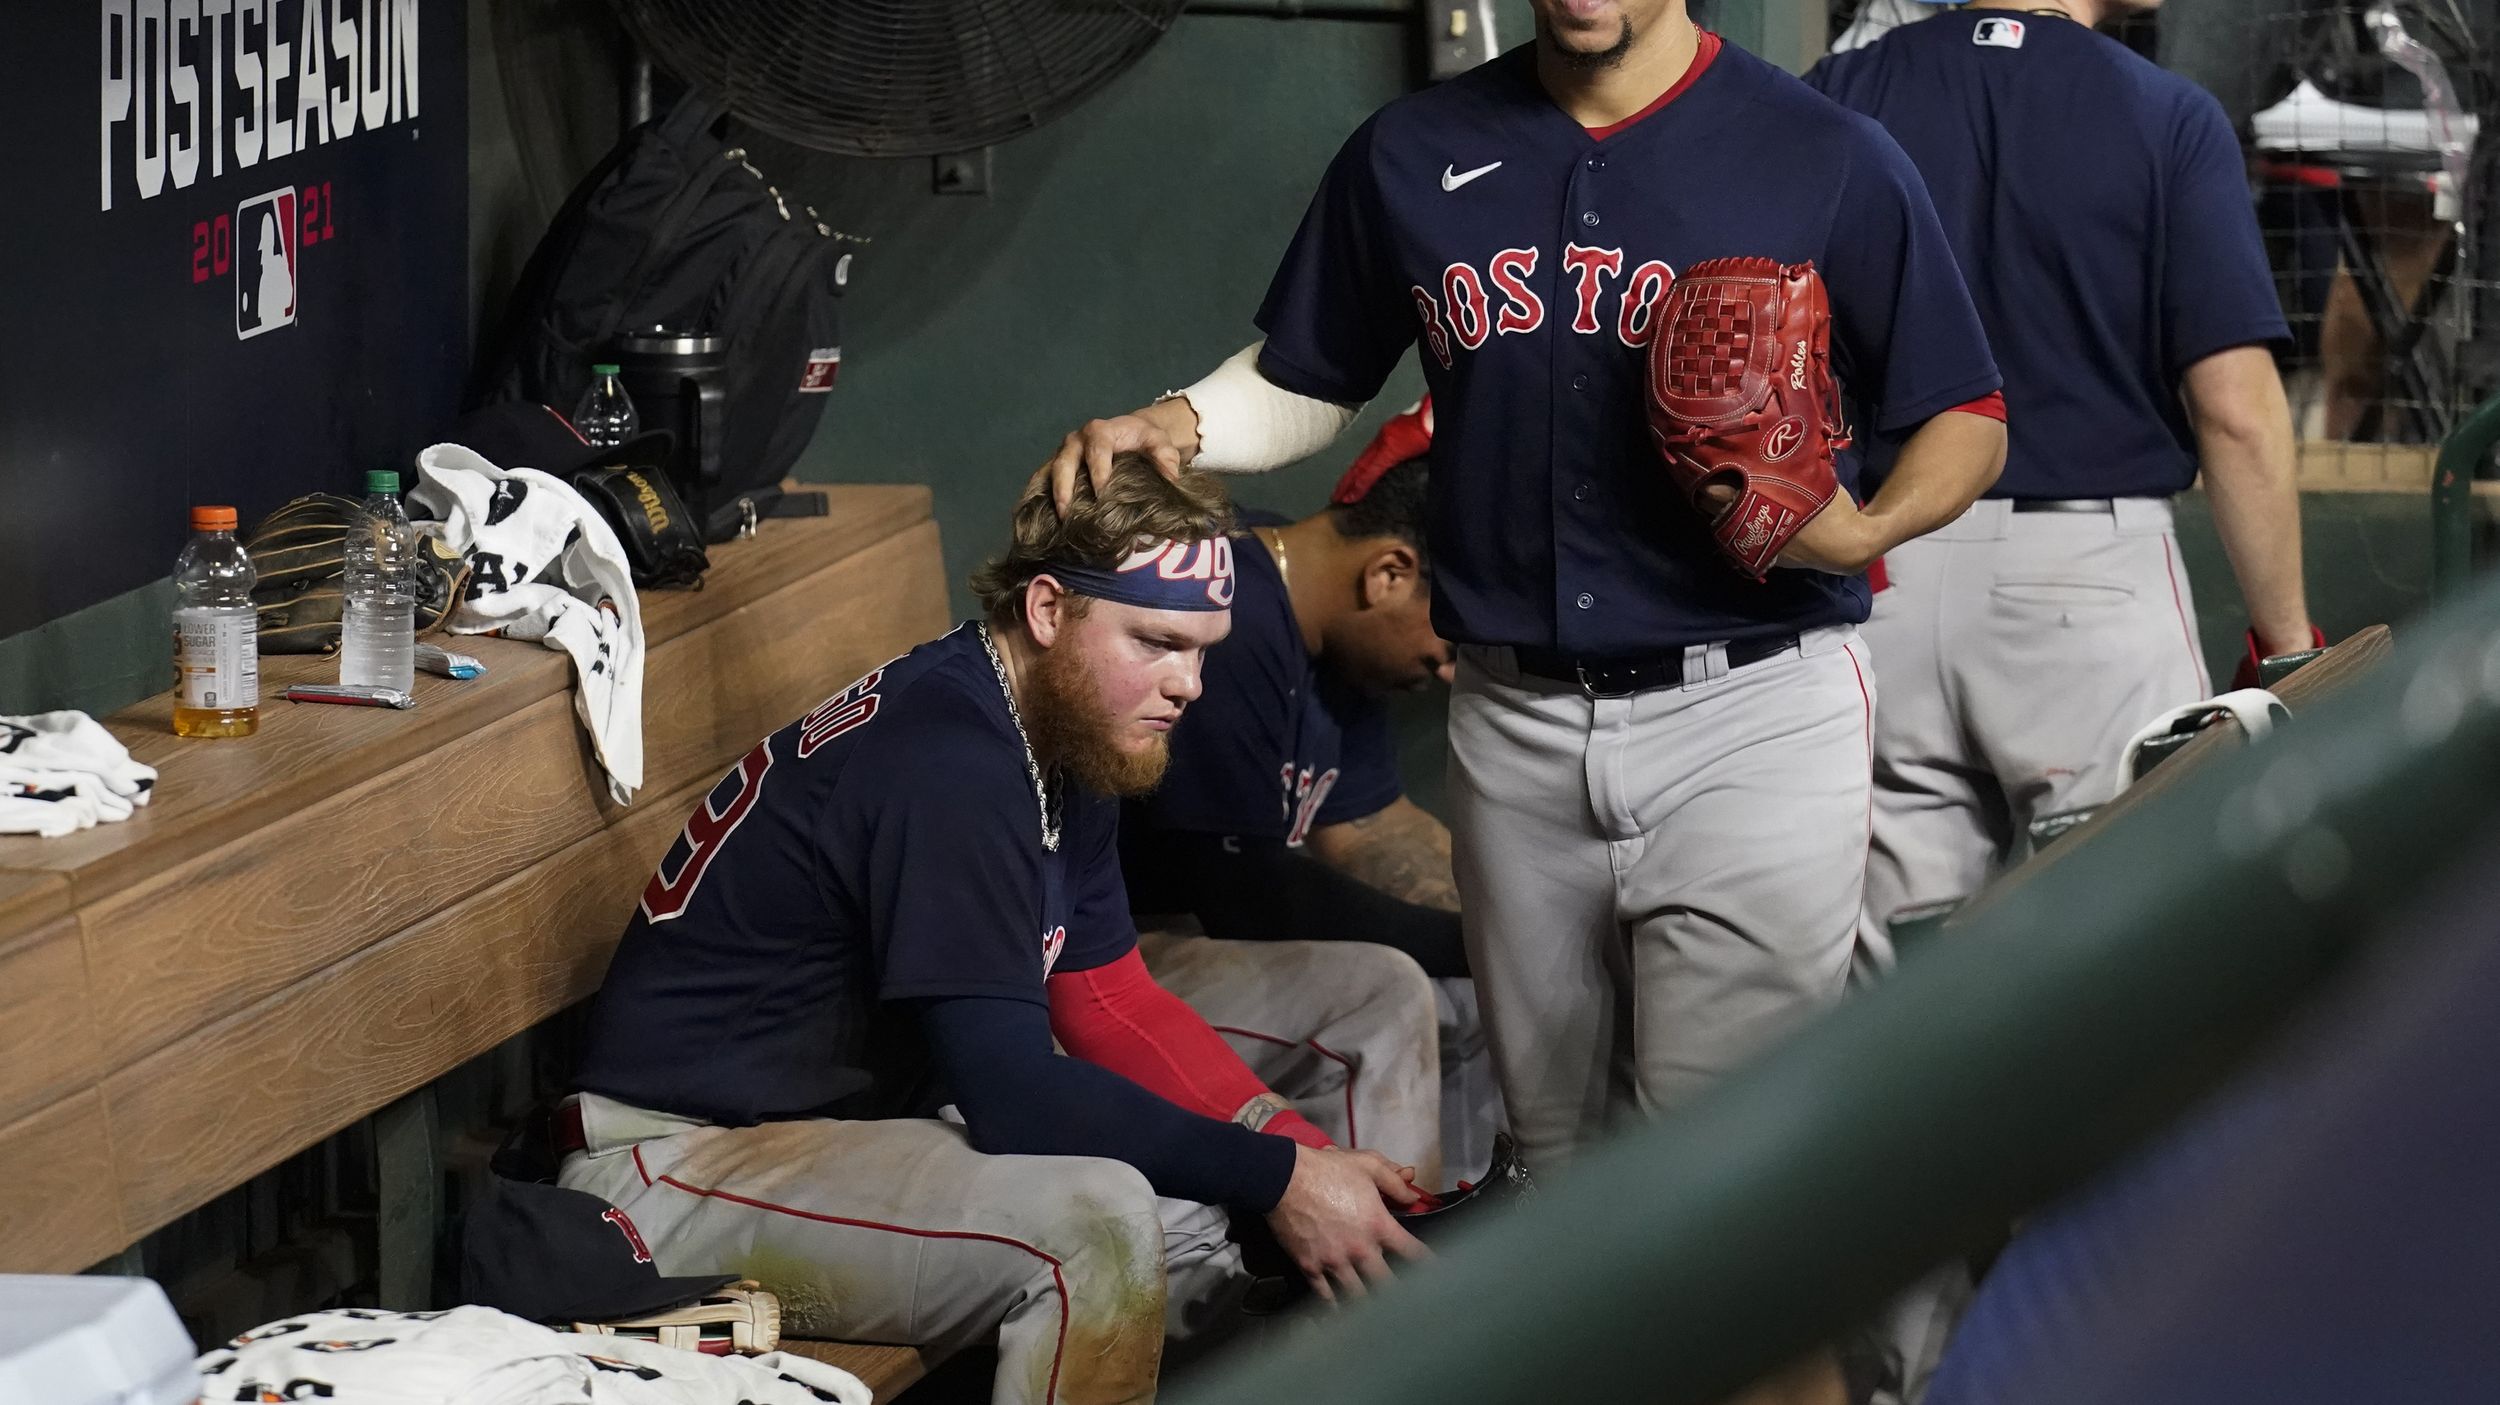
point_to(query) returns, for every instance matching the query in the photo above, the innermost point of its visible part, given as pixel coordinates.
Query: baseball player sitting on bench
(897, 902)
(1289, 759)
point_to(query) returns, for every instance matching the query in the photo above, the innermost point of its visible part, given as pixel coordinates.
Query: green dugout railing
(2452, 498)
(2066, 1024)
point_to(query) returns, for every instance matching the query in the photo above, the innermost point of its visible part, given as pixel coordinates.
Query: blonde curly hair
(1138, 506)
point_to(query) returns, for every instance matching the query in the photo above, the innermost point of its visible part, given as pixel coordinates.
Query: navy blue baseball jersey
(1526, 254)
(886, 847)
(2100, 210)
(1277, 745)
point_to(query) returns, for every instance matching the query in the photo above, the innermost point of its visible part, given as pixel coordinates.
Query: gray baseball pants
(1655, 887)
(2017, 651)
(898, 1231)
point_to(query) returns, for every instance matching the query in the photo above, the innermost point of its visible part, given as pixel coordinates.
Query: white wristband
(1250, 424)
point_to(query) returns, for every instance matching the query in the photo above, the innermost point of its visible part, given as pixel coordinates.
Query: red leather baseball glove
(1741, 395)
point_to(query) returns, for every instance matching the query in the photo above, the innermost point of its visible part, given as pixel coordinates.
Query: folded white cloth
(61, 772)
(478, 1356)
(545, 565)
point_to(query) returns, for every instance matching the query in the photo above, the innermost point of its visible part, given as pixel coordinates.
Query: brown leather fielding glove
(1740, 395)
(300, 553)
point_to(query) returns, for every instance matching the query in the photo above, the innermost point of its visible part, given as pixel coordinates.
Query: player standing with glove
(1659, 764)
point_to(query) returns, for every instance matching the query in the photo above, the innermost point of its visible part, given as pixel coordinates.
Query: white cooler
(92, 1341)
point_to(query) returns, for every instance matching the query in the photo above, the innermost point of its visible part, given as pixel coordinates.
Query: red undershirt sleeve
(1115, 1016)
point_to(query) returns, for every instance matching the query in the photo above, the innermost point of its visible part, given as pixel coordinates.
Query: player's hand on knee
(1091, 447)
(1335, 1220)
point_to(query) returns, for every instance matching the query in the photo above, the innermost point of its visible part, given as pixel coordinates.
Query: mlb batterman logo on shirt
(1998, 33)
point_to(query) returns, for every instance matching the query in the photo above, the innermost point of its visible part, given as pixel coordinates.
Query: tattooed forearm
(1402, 850)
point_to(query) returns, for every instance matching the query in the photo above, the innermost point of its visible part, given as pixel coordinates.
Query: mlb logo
(264, 273)
(1998, 33)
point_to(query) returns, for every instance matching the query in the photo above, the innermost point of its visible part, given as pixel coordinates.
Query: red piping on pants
(1869, 700)
(1057, 1275)
(2196, 656)
(1352, 1140)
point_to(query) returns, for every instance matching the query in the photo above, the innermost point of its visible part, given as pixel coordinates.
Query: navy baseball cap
(549, 1254)
(520, 434)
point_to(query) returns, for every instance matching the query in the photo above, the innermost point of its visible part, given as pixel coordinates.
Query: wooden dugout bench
(310, 924)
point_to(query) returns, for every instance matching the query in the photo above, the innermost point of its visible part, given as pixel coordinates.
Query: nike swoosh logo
(1452, 178)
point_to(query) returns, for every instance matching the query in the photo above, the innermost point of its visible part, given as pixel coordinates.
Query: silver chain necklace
(1041, 792)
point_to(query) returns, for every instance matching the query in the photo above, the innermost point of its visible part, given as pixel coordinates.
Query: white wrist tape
(1250, 424)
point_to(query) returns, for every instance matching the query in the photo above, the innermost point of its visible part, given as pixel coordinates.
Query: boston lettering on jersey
(2102, 206)
(1462, 314)
(1530, 286)
(883, 848)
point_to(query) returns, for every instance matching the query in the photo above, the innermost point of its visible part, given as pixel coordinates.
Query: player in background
(2100, 210)
(898, 902)
(1283, 820)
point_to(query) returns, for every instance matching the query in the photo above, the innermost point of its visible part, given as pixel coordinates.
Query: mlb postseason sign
(237, 263)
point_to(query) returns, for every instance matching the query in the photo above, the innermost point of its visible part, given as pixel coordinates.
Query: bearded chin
(1068, 721)
(1587, 60)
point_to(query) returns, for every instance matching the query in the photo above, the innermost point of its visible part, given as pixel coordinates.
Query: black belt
(1616, 678)
(2103, 506)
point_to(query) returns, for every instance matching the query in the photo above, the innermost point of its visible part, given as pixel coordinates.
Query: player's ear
(1390, 572)
(1045, 609)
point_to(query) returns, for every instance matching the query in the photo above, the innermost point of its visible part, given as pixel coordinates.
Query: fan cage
(897, 77)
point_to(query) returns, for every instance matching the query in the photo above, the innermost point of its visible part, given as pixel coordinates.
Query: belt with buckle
(1617, 678)
(2099, 505)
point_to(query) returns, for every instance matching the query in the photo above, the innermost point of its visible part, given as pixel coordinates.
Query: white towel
(546, 566)
(478, 1356)
(61, 772)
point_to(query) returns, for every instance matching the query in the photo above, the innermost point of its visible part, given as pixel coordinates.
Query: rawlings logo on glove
(1723, 414)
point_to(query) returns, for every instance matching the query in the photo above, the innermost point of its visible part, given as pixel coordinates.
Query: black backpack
(674, 228)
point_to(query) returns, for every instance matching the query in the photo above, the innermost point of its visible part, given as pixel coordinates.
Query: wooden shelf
(308, 922)
(2333, 466)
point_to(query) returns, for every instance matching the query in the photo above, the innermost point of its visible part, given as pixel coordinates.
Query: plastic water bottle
(216, 632)
(606, 416)
(378, 628)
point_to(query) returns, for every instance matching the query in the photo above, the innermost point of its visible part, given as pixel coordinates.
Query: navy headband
(1169, 575)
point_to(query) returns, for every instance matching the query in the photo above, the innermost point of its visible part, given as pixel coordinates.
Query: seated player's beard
(1069, 722)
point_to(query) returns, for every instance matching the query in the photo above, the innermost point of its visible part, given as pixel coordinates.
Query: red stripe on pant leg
(1352, 1073)
(1057, 1273)
(2187, 631)
(1868, 699)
